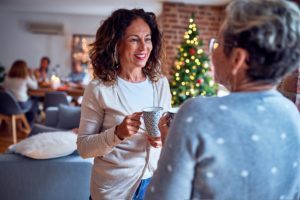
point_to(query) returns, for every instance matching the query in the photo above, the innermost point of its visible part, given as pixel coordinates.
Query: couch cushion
(68, 117)
(64, 178)
(39, 128)
(47, 145)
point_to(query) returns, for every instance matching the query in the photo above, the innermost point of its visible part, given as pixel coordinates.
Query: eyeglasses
(214, 43)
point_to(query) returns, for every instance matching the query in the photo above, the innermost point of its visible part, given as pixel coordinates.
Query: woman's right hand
(129, 126)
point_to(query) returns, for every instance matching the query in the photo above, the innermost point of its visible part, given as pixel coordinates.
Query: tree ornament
(199, 81)
(192, 51)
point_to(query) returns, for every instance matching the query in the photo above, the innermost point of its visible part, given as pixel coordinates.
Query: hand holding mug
(129, 126)
(154, 141)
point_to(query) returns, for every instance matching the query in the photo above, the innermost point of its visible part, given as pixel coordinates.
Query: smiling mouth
(140, 56)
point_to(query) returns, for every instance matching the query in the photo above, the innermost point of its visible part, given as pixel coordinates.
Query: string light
(200, 51)
(189, 68)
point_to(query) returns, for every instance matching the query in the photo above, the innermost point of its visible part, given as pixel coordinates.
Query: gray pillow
(68, 117)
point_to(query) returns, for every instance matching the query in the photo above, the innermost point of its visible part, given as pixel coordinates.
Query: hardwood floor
(6, 137)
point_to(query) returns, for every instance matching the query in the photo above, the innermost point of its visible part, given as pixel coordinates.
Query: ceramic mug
(151, 116)
(170, 114)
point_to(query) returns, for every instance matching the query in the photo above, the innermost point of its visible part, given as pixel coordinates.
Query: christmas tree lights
(191, 77)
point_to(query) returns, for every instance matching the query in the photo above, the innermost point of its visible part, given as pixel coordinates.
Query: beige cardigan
(118, 165)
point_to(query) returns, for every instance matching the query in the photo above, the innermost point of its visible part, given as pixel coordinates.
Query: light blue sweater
(244, 146)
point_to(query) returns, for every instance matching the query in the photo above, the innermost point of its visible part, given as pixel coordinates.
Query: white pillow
(47, 145)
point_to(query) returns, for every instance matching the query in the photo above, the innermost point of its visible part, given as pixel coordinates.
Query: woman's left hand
(154, 141)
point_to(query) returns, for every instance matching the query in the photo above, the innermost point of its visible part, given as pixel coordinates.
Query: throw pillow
(47, 145)
(68, 117)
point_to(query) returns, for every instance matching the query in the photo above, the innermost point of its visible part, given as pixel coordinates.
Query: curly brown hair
(111, 32)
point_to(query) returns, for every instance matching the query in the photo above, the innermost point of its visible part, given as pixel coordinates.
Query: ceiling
(92, 7)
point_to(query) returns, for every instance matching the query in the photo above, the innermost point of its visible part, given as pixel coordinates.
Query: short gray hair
(269, 30)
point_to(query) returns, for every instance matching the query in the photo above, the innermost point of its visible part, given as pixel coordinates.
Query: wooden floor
(6, 137)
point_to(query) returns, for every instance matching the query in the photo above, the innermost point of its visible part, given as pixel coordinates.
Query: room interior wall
(19, 43)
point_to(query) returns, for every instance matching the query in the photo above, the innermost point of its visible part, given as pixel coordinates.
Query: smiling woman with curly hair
(126, 62)
(105, 50)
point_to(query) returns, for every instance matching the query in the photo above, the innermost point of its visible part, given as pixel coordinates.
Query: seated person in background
(78, 74)
(41, 73)
(245, 145)
(19, 79)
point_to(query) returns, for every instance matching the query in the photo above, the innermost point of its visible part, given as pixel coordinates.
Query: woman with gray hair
(245, 145)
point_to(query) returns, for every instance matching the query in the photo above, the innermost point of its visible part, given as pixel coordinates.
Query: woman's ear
(238, 60)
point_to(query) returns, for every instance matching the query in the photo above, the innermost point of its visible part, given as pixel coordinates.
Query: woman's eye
(148, 39)
(134, 40)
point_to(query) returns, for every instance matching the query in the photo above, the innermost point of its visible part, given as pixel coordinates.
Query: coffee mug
(170, 114)
(151, 118)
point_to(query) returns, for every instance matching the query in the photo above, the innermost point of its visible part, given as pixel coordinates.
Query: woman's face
(135, 47)
(44, 64)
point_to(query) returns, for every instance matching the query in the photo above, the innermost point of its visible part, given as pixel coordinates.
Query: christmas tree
(191, 71)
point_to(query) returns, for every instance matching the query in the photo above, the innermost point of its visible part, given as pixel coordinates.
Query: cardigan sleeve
(91, 143)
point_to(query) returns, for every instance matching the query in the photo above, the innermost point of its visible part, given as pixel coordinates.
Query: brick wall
(175, 20)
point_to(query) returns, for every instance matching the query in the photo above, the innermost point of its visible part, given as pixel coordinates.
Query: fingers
(163, 121)
(135, 116)
(130, 125)
(154, 141)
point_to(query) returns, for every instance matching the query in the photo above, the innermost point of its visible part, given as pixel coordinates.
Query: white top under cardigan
(119, 165)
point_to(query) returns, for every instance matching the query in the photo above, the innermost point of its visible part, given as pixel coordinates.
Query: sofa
(63, 117)
(63, 178)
